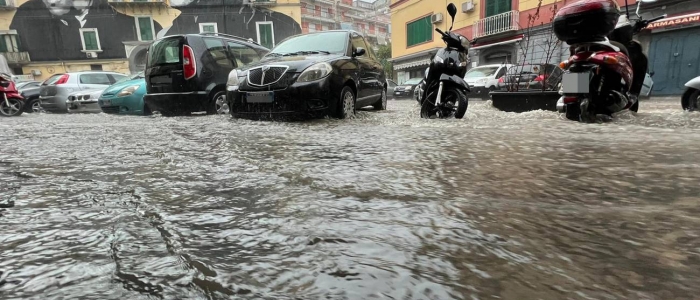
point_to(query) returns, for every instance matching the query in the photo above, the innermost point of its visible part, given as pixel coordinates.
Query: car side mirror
(359, 52)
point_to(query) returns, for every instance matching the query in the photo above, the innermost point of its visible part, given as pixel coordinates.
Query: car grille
(257, 77)
(110, 109)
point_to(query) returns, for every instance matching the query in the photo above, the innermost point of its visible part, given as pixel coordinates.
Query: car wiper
(304, 52)
(276, 54)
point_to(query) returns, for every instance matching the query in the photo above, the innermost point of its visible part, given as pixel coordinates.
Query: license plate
(576, 83)
(260, 97)
(106, 102)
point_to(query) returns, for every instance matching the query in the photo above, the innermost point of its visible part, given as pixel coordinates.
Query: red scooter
(606, 70)
(11, 103)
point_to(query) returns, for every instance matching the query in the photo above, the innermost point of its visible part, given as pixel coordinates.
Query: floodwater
(384, 206)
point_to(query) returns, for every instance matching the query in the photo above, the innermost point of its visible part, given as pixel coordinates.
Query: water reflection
(385, 206)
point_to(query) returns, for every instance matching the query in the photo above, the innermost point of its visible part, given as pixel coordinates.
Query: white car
(484, 79)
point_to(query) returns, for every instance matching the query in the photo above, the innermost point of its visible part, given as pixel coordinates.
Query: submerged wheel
(33, 106)
(462, 104)
(381, 104)
(691, 99)
(11, 108)
(346, 104)
(635, 106)
(453, 103)
(217, 103)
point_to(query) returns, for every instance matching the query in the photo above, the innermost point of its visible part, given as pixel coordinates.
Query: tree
(384, 54)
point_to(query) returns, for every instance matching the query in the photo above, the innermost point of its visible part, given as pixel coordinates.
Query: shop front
(412, 65)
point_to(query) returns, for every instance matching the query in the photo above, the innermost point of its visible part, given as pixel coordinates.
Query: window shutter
(491, 7)
(419, 31)
(90, 39)
(3, 44)
(146, 30)
(503, 6)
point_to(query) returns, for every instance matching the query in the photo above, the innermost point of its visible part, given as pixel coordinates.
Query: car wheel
(691, 99)
(217, 103)
(346, 105)
(381, 104)
(34, 106)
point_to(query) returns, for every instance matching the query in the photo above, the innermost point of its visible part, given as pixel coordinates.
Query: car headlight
(127, 91)
(315, 72)
(233, 78)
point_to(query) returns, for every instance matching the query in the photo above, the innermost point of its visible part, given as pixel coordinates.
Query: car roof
(239, 39)
(89, 72)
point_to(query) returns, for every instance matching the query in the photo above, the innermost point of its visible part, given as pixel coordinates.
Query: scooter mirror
(452, 10)
(639, 4)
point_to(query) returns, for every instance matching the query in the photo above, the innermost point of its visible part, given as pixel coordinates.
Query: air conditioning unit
(436, 18)
(468, 6)
(91, 54)
(36, 72)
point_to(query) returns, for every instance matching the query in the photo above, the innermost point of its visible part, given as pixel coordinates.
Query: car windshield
(412, 81)
(132, 77)
(481, 72)
(322, 42)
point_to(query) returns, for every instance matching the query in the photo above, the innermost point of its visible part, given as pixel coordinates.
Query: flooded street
(384, 206)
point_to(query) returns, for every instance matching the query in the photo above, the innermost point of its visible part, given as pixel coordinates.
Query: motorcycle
(12, 103)
(443, 91)
(691, 97)
(606, 71)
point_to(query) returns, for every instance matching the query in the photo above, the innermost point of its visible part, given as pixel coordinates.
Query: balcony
(16, 57)
(8, 5)
(263, 2)
(505, 22)
(138, 2)
(321, 16)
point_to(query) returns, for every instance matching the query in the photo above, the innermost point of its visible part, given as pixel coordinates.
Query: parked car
(390, 85)
(55, 90)
(27, 85)
(125, 97)
(690, 100)
(484, 79)
(32, 103)
(188, 73)
(315, 74)
(532, 77)
(405, 90)
(84, 101)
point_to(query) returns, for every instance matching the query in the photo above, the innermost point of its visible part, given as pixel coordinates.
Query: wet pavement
(385, 206)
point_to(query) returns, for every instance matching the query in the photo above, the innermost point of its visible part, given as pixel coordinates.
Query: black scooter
(443, 91)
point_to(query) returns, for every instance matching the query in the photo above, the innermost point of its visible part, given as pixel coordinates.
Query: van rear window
(165, 51)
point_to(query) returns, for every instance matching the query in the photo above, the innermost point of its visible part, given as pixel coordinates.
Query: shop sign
(675, 21)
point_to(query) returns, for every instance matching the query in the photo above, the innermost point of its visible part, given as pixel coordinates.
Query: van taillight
(63, 79)
(189, 64)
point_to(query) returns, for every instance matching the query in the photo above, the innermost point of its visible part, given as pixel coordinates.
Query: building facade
(40, 38)
(503, 31)
(369, 18)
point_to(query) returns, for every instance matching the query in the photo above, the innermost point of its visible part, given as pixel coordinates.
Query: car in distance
(406, 89)
(27, 85)
(188, 73)
(484, 79)
(84, 101)
(390, 85)
(310, 75)
(55, 90)
(532, 77)
(125, 97)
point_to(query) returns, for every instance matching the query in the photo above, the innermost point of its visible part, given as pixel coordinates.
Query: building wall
(411, 10)
(48, 69)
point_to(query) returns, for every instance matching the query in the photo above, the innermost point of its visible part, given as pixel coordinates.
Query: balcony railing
(16, 57)
(263, 2)
(8, 5)
(496, 24)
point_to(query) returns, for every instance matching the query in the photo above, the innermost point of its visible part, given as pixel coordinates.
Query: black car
(310, 75)
(405, 90)
(32, 103)
(188, 73)
(532, 77)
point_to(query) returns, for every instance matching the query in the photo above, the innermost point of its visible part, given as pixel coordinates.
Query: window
(217, 50)
(117, 77)
(97, 78)
(419, 31)
(9, 43)
(96, 67)
(494, 7)
(243, 55)
(90, 39)
(266, 34)
(208, 27)
(501, 72)
(144, 28)
(165, 51)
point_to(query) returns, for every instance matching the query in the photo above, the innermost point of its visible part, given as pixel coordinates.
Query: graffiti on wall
(59, 30)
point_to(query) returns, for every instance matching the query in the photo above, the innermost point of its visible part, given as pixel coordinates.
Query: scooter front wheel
(11, 107)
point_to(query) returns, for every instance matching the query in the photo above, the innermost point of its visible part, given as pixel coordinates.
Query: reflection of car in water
(125, 97)
(310, 75)
(55, 91)
(484, 79)
(533, 76)
(187, 73)
(405, 90)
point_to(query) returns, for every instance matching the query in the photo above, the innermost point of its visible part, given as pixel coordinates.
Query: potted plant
(533, 84)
